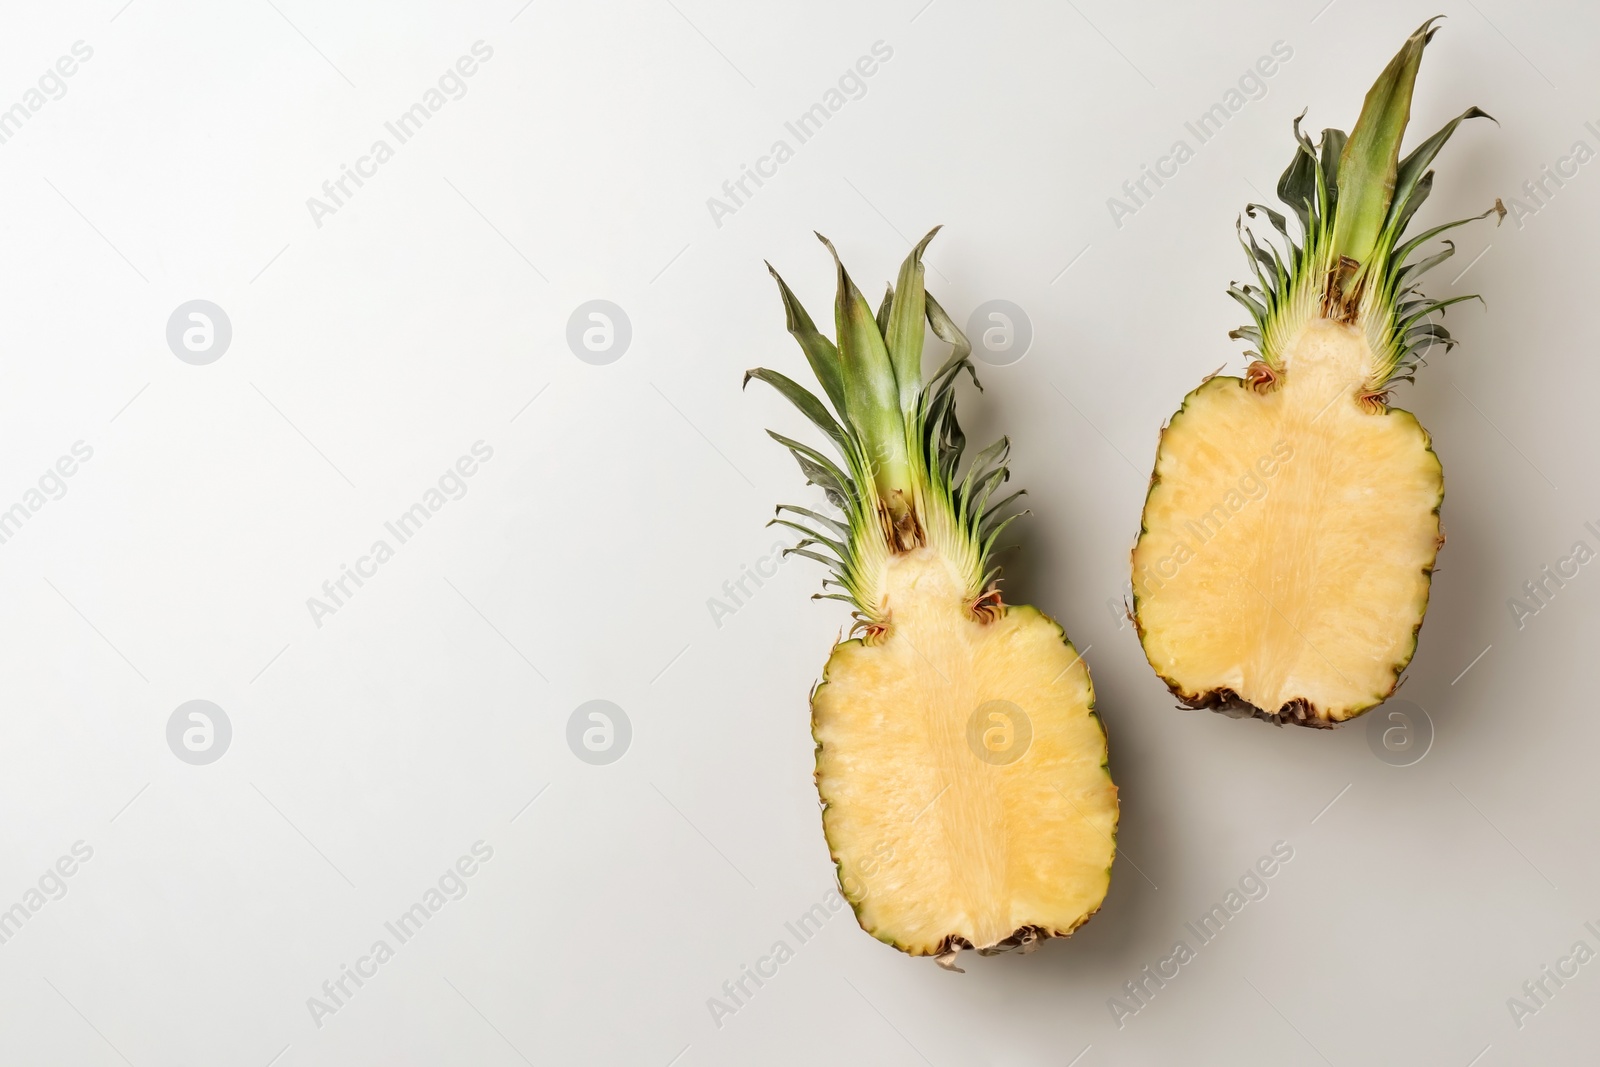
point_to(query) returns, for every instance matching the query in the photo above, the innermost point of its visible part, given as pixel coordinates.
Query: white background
(369, 352)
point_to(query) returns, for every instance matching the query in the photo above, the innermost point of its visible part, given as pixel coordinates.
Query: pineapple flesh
(967, 801)
(1287, 548)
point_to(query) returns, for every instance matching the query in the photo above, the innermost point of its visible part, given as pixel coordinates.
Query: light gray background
(430, 312)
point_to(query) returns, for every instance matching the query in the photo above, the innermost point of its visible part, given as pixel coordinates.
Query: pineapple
(1290, 532)
(967, 802)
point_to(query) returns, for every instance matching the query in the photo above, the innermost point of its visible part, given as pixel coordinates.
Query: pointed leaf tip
(1427, 29)
(901, 323)
(1370, 163)
(820, 352)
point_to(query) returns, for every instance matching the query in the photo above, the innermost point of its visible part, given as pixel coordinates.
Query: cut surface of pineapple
(962, 771)
(1289, 539)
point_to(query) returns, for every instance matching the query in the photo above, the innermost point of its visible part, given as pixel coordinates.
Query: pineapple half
(966, 798)
(1292, 523)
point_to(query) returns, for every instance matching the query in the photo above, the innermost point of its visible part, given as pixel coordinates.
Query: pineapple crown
(1354, 196)
(901, 444)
